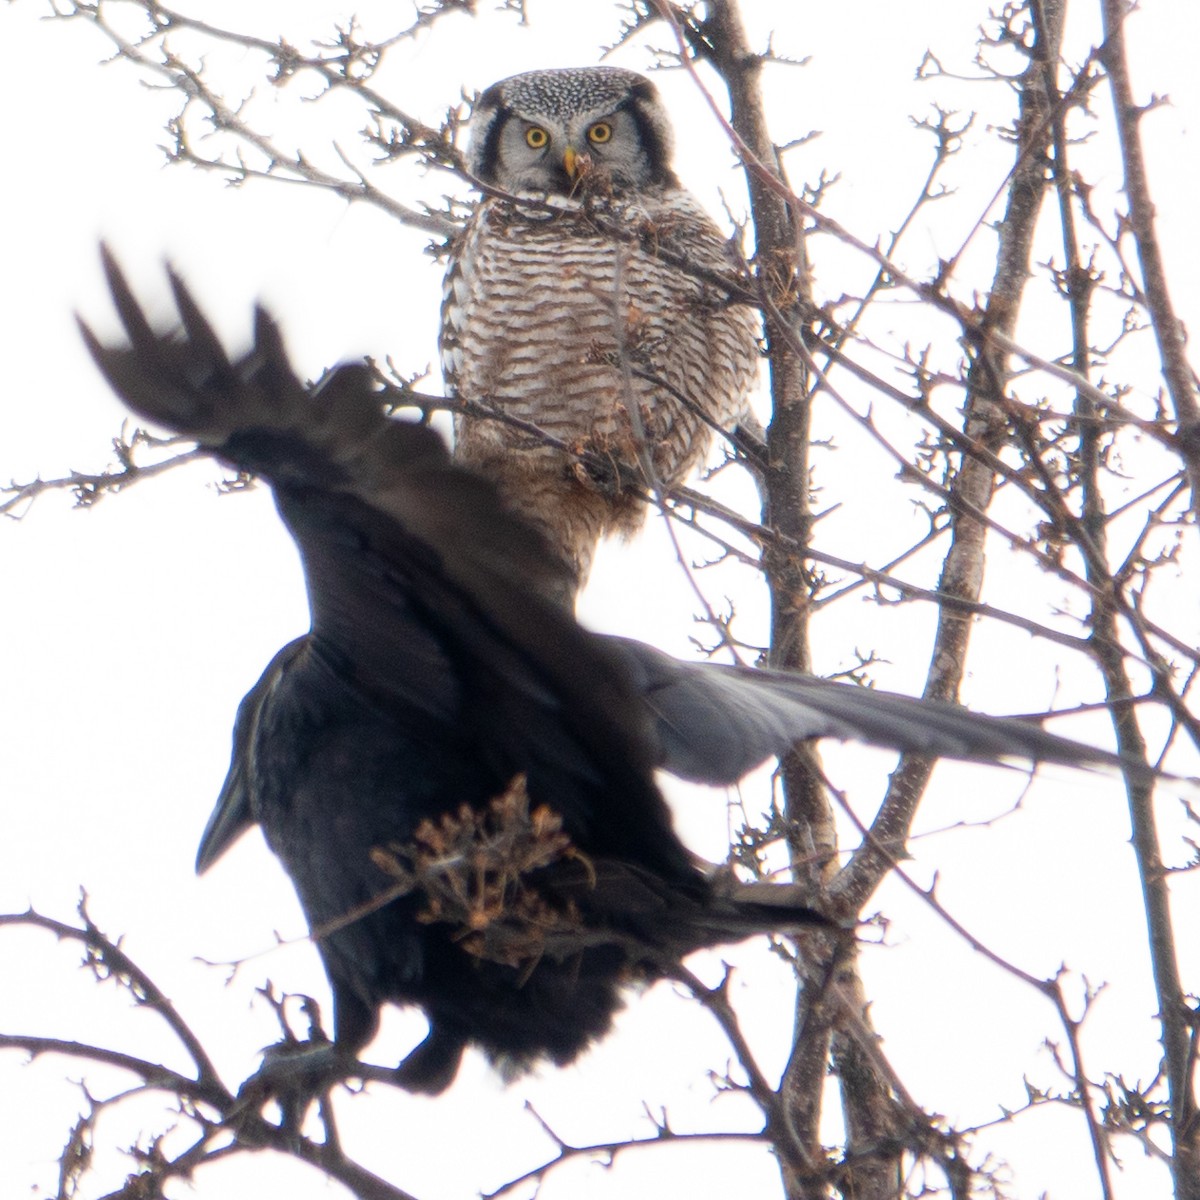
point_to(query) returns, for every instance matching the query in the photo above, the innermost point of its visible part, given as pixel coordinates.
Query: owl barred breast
(575, 315)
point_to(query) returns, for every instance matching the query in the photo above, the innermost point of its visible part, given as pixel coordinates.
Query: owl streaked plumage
(576, 317)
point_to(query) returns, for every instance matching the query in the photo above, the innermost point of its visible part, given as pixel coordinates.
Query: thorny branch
(1177, 373)
(225, 1123)
(717, 38)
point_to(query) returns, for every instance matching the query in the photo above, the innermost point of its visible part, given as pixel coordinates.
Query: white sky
(129, 633)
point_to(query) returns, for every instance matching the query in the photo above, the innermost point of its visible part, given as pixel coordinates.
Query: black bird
(457, 777)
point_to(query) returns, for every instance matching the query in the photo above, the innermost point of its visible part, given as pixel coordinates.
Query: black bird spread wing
(334, 446)
(441, 710)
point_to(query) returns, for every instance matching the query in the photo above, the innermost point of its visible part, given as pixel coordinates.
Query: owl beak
(574, 162)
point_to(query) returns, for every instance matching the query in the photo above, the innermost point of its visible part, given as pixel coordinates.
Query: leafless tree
(1033, 396)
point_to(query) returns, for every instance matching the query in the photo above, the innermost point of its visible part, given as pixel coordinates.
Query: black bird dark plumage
(457, 777)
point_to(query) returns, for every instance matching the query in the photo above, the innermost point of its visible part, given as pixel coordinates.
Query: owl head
(543, 130)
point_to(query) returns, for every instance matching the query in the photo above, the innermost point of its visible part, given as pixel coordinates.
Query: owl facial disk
(547, 131)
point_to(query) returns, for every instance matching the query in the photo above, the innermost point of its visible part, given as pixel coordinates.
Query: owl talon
(597, 472)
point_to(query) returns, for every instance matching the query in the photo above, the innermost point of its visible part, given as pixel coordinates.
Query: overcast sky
(129, 633)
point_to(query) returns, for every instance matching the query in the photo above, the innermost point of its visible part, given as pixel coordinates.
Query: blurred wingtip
(268, 337)
(90, 340)
(230, 819)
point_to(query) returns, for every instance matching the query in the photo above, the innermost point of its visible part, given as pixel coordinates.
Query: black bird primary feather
(457, 777)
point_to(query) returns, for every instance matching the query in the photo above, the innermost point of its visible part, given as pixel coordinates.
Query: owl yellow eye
(536, 138)
(600, 133)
